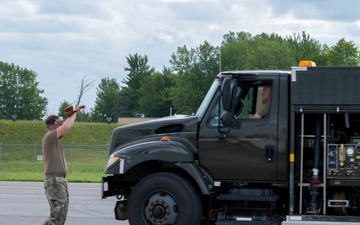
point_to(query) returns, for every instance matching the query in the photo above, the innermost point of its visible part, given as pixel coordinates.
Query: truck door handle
(269, 153)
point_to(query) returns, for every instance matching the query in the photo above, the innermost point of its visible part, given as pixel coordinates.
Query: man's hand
(79, 107)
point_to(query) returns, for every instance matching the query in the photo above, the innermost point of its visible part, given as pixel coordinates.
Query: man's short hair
(267, 85)
(51, 120)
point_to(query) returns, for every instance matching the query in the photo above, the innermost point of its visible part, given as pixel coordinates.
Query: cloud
(64, 41)
(329, 10)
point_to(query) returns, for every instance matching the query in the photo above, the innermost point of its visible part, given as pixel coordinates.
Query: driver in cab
(263, 109)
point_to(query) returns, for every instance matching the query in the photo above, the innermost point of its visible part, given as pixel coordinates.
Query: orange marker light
(165, 138)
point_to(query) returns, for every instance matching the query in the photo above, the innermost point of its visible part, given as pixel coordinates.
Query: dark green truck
(300, 162)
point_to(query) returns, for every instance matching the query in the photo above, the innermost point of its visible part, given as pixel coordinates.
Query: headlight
(112, 160)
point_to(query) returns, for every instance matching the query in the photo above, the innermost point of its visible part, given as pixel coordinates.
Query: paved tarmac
(24, 203)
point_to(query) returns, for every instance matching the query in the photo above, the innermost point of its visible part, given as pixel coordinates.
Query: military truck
(300, 161)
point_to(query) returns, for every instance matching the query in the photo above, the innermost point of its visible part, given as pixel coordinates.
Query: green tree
(234, 50)
(138, 70)
(195, 69)
(167, 96)
(107, 100)
(155, 101)
(303, 47)
(20, 94)
(343, 53)
(128, 102)
(268, 52)
(167, 74)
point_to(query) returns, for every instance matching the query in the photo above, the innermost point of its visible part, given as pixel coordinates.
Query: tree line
(179, 88)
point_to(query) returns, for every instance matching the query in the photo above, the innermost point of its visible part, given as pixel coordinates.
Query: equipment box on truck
(300, 161)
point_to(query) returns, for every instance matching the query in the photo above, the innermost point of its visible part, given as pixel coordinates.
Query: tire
(164, 199)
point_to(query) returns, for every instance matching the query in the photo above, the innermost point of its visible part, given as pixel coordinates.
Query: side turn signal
(165, 138)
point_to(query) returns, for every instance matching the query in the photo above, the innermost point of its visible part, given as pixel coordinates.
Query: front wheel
(164, 199)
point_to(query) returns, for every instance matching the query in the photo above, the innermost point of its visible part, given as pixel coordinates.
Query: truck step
(248, 194)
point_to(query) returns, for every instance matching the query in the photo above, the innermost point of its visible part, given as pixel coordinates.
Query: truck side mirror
(227, 91)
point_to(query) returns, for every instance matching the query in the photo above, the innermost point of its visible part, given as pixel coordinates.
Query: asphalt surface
(25, 203)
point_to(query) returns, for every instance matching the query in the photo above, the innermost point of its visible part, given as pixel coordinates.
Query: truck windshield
(209, 96)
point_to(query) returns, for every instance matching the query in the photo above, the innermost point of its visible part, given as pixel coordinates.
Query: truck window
(248, 105)
(205, 104)
(213, 120)
(256, 101)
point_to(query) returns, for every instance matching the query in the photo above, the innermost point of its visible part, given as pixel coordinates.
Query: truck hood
(182, 126)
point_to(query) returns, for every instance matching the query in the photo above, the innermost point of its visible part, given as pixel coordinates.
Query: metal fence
(28, 157)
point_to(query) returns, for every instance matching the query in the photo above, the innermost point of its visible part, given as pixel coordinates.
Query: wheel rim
(160, 208)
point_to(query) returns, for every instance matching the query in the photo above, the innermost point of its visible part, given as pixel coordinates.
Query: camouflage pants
(57, 193)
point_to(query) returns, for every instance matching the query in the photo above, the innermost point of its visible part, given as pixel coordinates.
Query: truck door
(248, 150)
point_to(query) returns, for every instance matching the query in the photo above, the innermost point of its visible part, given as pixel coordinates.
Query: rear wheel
(164, 199)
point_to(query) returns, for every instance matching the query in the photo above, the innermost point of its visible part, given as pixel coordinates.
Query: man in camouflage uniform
(55, 184)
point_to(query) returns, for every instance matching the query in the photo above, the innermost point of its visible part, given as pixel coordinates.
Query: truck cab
(299, 161)
(231, 143)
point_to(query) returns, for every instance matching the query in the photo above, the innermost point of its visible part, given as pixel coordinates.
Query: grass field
(86, 147)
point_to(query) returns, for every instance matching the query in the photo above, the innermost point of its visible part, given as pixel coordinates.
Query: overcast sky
(63, 41)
